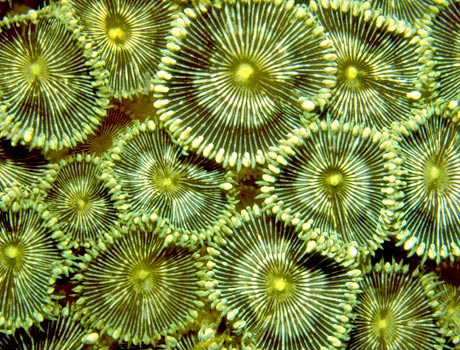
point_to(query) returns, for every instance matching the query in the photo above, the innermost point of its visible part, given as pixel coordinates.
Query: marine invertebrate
(393, 311)
(413, 12)
(152, 179)
(209, 336)
(377, 64)
(130, 35)
(445, 300)
(229, 94)
(29, 264)
(337, 176)
(429, 220)
(21, 171)
(78, 206)
(62, 333)
(444, 29)
(52, 82)
(111, 127)
(444, 291)
(137, 289)
(289, 292)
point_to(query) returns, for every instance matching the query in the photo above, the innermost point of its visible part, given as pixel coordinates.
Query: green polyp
(435, 175)
(81, 203)
(166, 180)
(245, 73)
(142, 278)
(280, 287)
(12, 254)
(117, 31)
(383, 326)
(334, 181)
(36, 71)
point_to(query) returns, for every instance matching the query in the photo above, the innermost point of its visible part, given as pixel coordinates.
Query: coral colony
(229, 174)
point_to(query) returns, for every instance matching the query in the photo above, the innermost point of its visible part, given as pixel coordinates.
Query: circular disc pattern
(29, 265)
(51, 91)
(431, 221)
(130, 35)
(393, 312)
(377, 65)
(137, 289)
(152, 179)
(285, 294)
(235, 77)
(335, 175)
(79, 207)
(21, 171)
(445, 29)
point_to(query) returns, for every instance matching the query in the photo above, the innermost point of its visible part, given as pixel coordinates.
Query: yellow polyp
(434, 173)
(80, 203)
(280, 284)
(12, 252)
(351, 72)
(383, 325)
(117, 34)
(244, 73)
(352, 75)
(166, 181)
(334, 179)
(142, 279)
(11, 256)
(435, 176)
(142, 274)
(280, 287)
(36, 71)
